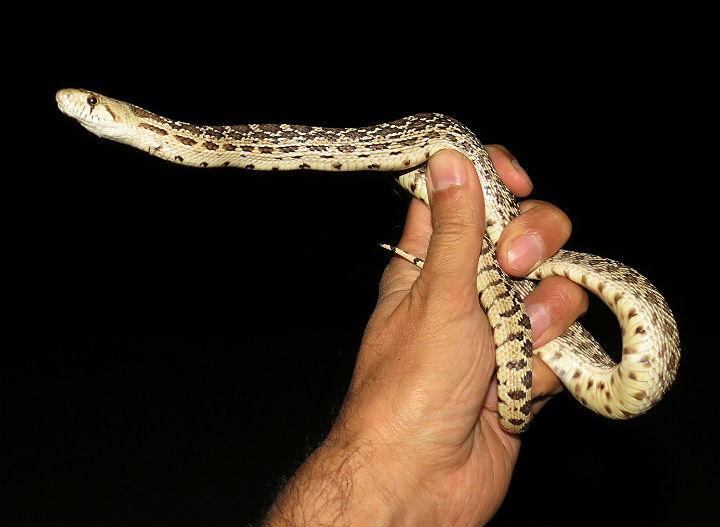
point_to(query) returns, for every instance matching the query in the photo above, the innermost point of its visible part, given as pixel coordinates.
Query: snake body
(651, 346)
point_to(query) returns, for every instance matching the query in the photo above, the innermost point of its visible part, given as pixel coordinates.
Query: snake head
(101, 115)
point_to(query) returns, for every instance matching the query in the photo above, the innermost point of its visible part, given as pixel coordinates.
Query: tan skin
(417, 440)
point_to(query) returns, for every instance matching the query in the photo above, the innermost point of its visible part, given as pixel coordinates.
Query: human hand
(418, 439)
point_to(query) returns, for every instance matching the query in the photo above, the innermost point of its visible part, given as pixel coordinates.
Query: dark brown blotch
(185, 127)
(527, 348)
(527, 379)
(516, 364)
(185, 140)
(269, 128)
(525, 322)
(154, 129)
(517, 395)
(510, 312)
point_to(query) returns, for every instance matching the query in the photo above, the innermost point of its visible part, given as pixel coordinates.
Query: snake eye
(92, 100)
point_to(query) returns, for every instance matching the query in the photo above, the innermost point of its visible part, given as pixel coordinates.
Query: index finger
(509, 170)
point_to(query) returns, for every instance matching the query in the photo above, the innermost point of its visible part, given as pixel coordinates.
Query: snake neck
(397, 145)
(400, 145)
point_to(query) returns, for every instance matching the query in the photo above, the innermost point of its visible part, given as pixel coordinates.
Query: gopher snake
(651, 347)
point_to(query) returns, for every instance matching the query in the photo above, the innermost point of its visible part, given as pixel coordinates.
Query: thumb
(458, 220)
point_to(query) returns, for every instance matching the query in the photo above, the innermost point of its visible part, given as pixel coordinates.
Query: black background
(179, 340)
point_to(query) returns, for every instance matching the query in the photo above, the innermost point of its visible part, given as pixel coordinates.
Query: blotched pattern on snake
(650, 342)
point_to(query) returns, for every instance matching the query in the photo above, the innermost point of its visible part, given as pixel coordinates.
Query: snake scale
(650, 342)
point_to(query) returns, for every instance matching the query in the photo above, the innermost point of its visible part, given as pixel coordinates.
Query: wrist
(351, 482)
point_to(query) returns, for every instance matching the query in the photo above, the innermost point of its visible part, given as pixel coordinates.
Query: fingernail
(539, 319)
(446, 172)
(521, 170)
(524, 253)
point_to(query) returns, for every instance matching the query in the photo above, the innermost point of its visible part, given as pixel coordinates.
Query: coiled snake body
(651, 347)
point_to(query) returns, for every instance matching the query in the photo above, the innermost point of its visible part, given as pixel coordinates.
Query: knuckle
(564, 297)
(456, 228)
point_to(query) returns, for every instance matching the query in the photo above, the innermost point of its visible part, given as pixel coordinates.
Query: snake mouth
(74, 103)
